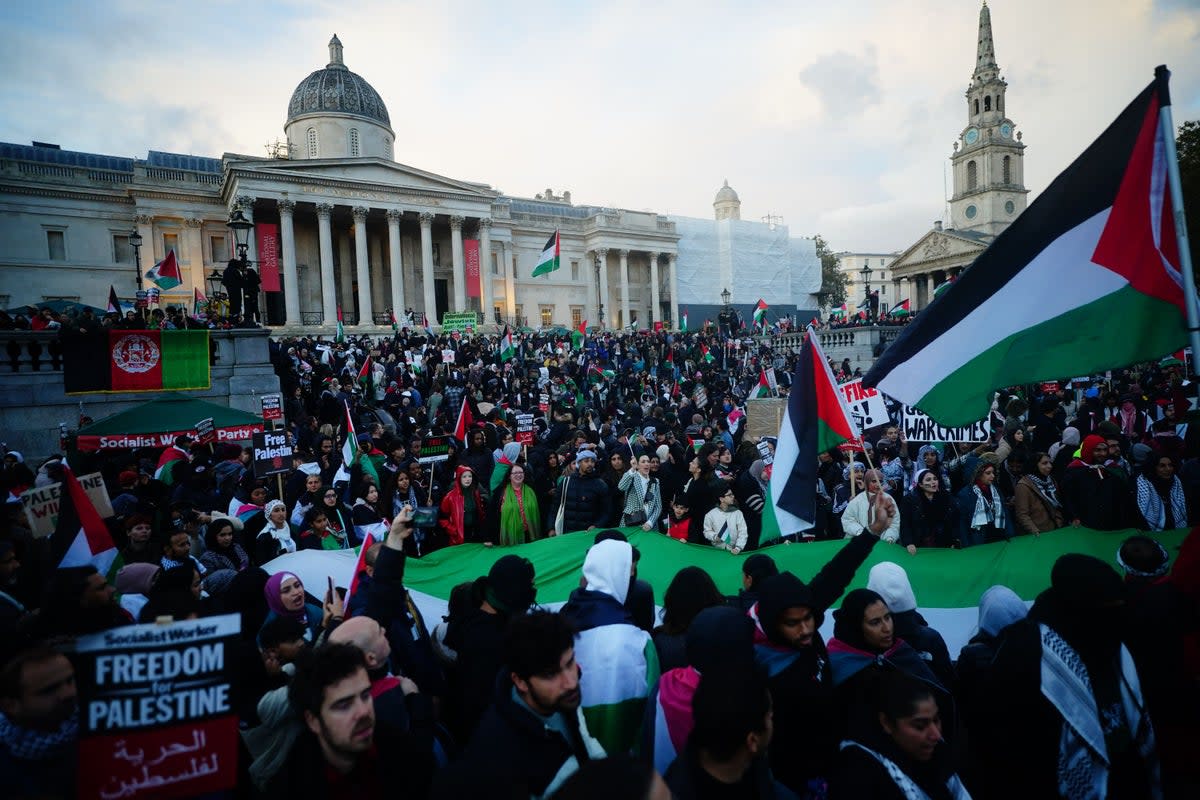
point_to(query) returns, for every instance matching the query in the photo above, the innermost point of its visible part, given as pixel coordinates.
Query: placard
(1050, 386)
(460, 321)
(854, 445)
(272, 454)
(206, 432)
(447, 356)
(544, 402)
(524, 432)
(41, 504)
(866, 404)
(272, 407)
(764, 452)
(434, 449)
(920, 428)
(156, 715)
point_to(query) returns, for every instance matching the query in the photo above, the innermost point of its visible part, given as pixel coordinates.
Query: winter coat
(928, 522)
(650, 503)
(1034, 514)
(725, 529)
(452, 516)
(587, 503)
(855, 518)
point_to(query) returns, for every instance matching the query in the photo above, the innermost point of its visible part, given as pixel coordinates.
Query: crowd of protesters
(721, 697)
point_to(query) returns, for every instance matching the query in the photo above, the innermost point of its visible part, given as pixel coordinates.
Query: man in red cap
(1094, 496)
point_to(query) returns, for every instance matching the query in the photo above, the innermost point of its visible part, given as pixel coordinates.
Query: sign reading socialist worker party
(156, 710)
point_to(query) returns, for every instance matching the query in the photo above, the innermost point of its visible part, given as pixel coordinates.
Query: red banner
(471, 257)
(133, 441)
(268, 255)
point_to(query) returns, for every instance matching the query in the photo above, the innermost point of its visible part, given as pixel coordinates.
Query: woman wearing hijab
(307, 499)
(642, 501)
(863, 647)
(1160, 497)
(899, 753)
(1036, 505)
(221, 548)
(981, 512)
(341, 519)
(929, 515)
(285, 597)
(277, 537)
(515, 508)
(461, 512)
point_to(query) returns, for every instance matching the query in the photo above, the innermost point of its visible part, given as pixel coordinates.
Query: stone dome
(726, 195)
(337, 90)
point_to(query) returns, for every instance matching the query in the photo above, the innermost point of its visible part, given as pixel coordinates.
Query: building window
(218, 249)
(976, 105)
(883, 276)
(56, 245)
(122, 252)
(353, 142)
(576, 316)
(547, 316)
(170, 242)
(519, 311)
(312, 142)
(437, 254)
(495, 263)
(972, 175)
(987, 103)
(574, 270)
(1007, 169)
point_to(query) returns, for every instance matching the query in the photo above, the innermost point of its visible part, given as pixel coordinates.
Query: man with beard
(533, 737)
(343, 751)
(39, 729)
(587, 504)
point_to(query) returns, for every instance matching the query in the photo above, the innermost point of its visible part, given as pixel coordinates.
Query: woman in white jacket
(724, 526)
(856, 516)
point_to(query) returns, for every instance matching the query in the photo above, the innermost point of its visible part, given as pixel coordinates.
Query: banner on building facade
(268, 255)
(471, 260)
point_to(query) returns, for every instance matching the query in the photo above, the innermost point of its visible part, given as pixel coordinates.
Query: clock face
(1010, 206)
(971, 136)
(1006, 131)
(971, 212)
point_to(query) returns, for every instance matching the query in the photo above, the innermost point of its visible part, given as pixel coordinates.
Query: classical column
(485, 270)
(929, 294)
(655, 313)
(605, 300)
(345, 272)
(460, 269)
(195, 253)
(672, 264)
(625, 321)
(427, 267)
(328, 285)
(593, 316)
(291, 275)
(360, 257)
(395, 265)
(379, 295)
(510, 281)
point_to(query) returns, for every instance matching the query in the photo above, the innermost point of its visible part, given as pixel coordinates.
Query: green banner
(460, 321)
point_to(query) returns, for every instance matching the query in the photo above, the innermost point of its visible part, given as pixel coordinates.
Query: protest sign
(544, 402)
(764, 452)
(772, 381)
(920, 428)
(854, 445)
(447, 356)
(206, 432)
(866, 404)
(434, 449)
(272, 407)
(41, 504)
(1050, 386)
(156, 714)
(524, 434)
(272, 454)
(458, 322)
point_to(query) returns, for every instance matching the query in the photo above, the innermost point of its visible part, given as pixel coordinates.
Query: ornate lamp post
(241, 228)
(866, 276)
(135, 241)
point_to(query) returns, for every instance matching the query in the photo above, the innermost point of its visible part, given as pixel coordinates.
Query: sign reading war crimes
(920, 428)
(272, 454)
(156, 710)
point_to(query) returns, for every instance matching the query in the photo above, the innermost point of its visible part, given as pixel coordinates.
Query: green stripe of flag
(185, 360)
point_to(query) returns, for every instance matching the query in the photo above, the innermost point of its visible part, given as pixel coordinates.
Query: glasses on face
(331, 496)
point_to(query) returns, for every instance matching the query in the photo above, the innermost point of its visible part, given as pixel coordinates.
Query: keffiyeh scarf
(29, 745)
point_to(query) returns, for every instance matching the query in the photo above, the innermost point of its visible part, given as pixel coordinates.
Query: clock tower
(988, 159)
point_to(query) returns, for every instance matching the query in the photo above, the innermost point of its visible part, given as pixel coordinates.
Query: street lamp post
(866, 276)
(135, 241)
(241, 228)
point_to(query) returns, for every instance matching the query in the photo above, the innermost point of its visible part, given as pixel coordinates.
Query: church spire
(335, 54)
(985, 58)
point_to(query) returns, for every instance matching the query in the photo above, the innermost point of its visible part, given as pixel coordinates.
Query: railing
(45, 169)
(381, 318)
(312, 318)
(110, 177)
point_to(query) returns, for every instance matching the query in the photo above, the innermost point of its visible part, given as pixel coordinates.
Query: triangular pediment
(376, 172)
(939, 246)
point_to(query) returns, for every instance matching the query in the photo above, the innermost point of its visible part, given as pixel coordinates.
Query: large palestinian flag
(1085, 280)
(815, 420)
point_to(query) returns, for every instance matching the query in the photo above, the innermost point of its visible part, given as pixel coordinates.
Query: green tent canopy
(156, 423)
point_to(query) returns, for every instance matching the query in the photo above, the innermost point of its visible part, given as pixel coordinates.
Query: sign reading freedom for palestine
(156, 710)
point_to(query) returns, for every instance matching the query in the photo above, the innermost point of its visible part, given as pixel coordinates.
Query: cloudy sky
(839, 117)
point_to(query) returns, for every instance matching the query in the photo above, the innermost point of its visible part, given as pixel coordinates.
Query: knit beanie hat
(776, 595)
(510, 588)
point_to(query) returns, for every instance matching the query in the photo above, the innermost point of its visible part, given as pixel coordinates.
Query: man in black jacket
(587, 503)
(533, 737)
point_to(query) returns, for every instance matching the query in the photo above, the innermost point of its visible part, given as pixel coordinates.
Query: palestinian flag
(366, 376)
(683, 321)
(944, 286)
(465, 420)
(368, 534)
(114, 305)
(425, 323)
(549, 260)
(165, 471)
(840, 311)
(902, 309)
(706, 354)
(198, 302)
(760, 314)
(395, 324)
(135, 361)
(340, 336)
(578, 335)
(507, 351)
(165, 274)
(1086, 279)
(83, 532)
(816, 419)
(764, 386)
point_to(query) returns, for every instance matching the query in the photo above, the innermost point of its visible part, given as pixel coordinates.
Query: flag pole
(1162, 75)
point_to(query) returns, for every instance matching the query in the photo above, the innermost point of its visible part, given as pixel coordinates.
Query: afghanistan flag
(165, 274)
(816, 419)
(549, 260)
(507, 351)
(902, 309)
(135, 361)
(760, 313)
(82, 533)
(1087, 279)
(764, 386)
(340, 336)
(114, 305)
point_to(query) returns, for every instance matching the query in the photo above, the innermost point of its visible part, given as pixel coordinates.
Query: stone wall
(33, 403)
